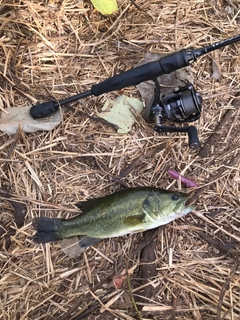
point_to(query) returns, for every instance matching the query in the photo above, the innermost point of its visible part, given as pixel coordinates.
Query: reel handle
(193, 139)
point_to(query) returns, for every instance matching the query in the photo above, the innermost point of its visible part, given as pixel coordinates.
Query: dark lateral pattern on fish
(123, 212)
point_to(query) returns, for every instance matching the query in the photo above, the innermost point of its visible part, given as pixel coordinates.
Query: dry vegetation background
(186, 270)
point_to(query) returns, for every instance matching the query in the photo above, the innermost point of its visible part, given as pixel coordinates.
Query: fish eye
(175, 196)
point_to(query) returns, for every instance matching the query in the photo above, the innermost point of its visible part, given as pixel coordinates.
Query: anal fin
(88, 241)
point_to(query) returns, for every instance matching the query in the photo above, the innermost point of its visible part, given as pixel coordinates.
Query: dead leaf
(119, 279)
(20, 211)
(71, 247)
(16, 117)
(118, 112)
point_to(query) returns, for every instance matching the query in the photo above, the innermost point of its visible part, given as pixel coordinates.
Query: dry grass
(54, 49)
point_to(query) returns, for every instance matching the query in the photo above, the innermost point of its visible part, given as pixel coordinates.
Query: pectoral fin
(134, 221)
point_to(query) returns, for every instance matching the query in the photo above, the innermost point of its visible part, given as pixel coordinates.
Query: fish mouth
(189, 205)
(187, 209)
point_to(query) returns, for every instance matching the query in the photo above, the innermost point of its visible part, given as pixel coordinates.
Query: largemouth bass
(124, 212)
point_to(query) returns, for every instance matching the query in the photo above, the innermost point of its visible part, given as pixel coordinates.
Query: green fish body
(124, 212)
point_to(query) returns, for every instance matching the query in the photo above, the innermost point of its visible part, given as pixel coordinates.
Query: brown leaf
(119, 279)
(16, 117)
(71, 247)
(20, 211)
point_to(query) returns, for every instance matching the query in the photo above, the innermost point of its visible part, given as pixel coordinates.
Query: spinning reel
(182, 105)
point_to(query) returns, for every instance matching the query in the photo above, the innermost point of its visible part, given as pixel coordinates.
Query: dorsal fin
(85, 206)
(90, 203)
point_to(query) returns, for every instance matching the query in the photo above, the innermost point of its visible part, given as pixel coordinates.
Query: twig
(133, 300)
(224, 289)
(214, 137)
(11, 148)
(129, 168)
(141, 10)
(103, 121)
(147, 268)
(225, 247)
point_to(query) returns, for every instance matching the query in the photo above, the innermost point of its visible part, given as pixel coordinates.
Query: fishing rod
(183, 105)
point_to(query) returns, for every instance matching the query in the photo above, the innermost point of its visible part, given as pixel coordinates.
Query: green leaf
(105, 6)
(118, 112)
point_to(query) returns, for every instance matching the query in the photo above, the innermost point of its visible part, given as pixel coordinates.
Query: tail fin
(48, 229)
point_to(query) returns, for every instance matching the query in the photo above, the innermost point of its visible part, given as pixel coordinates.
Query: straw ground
(188, 269)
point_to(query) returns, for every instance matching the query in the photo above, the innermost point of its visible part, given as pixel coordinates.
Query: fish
(124, 212)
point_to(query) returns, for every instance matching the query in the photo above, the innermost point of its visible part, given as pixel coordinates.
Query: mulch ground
(188, 269)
